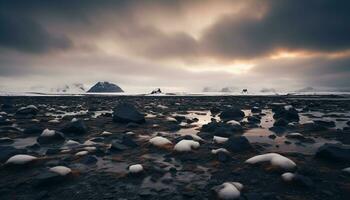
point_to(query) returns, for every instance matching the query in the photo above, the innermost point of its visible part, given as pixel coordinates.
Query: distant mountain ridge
(104, 86)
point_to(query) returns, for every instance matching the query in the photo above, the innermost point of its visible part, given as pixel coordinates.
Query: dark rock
(287, 142)
(28, 110)
(214, 110)
(75, 127)
(221, 129)
(117, 146)
(256, 110)
(222, 156)
(88, 160)
(278, 129)
(302, 181)
(105, 87)
(172, 127)
(180, 118)
(232, 114)
(313, 127)
(125, 113)
(6, 106)
(281, 123)
(272, 136)
(4, 121)
(52, 151)
(323, 123)
(58, 137)
(34, 147)
(253, 119)
(237, 144)
(6, 140)
(33, 129)
(132, 125)
(289, 115)
(7, 151)
(156, 91)
(334, 152)
(47, 178)
(128, 141)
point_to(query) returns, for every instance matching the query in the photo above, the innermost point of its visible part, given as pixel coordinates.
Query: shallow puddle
(259, 135)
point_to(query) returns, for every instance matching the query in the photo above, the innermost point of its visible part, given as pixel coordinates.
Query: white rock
(54, 121)
(196, 137)
(229, 190)
(106, 133)
(186, 145)
(275, 160)
(287, 177)
(89, 143)
(30, 106)
(130, 133)
(159, 141)
(219, 140)
(295, 134)
(288, 107)
(72, 143)
(215, 151)
(162, 106)
(48, 133)
(234, 123)
(81, 153)
(61, 170)
(20, 159)
(90, 149)
(346, 170)
(135, 168)
(74, 119)
(171, 119)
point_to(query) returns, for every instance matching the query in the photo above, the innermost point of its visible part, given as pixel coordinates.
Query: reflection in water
(260, 135)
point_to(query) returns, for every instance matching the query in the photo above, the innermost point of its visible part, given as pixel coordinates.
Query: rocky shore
(175, 147)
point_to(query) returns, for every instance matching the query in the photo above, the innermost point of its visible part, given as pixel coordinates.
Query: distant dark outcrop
(105, 87)
(307, 89)
(156, 91)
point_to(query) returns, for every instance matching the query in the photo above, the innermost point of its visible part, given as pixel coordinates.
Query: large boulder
(334, 152)
(125, 113)
(232, 114)
(50, 136)
(76, 126)
(222, 129)
(237, 144)
(105, 86)
(289, 114)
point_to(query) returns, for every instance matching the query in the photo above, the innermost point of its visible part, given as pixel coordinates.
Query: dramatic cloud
(313, 25)
(176, 44)
(25, 35)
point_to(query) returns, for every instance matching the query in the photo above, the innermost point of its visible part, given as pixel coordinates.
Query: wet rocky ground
(97, 138)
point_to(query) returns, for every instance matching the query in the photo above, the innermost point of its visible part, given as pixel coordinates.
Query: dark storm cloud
(314, 25)
(23, 34)
(315, 71)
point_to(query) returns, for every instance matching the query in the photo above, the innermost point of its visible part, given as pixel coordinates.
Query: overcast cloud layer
(176, 45)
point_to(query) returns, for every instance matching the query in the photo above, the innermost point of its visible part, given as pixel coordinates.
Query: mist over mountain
(70, 88)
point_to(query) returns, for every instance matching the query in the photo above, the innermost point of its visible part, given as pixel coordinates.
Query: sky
(177, 45)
